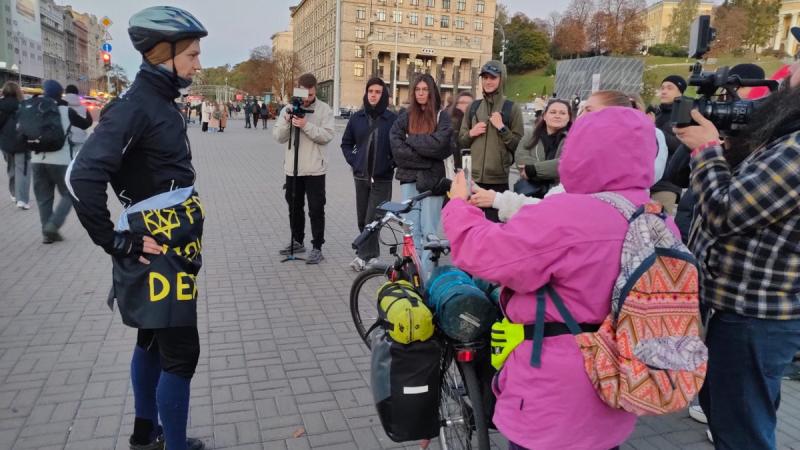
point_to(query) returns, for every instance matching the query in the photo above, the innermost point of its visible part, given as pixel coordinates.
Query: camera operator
(316, 131)
(746, 239)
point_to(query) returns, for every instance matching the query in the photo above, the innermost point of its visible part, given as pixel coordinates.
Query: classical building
(21, 53)
(788, 17)
(53, 42)
(659, 18)
(94, 43)
(448, 39)
(282, 42)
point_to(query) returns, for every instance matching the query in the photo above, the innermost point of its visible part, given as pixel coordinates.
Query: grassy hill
(523, 87)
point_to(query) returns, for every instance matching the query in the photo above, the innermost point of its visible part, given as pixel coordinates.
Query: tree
(761, 23)
(257, 72)
(729, 20)
(622, 23)
(569, 38)
(527, 46)
(682, 18)
(286, 67)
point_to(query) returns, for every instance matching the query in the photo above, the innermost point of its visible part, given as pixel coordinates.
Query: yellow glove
(506, 336)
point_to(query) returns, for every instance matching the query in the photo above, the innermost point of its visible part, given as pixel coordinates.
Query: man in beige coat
(316, 131)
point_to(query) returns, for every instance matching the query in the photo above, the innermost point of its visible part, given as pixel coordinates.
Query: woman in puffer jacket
(420, 141)
(575, 248)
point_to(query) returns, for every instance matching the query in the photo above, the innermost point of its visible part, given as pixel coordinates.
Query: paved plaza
(281, 365)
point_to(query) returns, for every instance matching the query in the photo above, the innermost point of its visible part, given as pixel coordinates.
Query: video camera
(718, 99)
(298, 96)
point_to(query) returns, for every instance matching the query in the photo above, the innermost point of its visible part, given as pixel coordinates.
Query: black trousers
(491, 213)
(255, 120)
(205, 126)
(368, 196)
(263, 123)
(247, 120)
(312, 187)
(178, 348)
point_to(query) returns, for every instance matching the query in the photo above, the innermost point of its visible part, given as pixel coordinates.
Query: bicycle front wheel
(363, 300)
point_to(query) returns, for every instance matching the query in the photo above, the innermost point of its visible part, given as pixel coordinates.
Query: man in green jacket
(492, 130)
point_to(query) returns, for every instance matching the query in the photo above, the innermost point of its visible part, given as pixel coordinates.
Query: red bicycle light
(465, 356)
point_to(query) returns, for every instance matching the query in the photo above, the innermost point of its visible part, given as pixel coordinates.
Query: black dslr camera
(718, 100)
(298, 96)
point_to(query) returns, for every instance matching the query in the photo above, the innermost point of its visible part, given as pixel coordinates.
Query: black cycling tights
(178, 348)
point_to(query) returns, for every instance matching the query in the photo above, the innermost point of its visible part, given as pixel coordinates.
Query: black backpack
(505, 112)
(39, 125)
(10, 141)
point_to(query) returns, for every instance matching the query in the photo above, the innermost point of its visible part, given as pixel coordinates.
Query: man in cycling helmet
(141, 148)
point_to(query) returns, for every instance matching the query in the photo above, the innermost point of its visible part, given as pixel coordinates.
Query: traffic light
(106, 60)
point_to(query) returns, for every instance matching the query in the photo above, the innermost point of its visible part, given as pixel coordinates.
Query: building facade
(788, 17)
(95, 69)
(282, 42)
(659, 18)
(448, 39)
(53, 42)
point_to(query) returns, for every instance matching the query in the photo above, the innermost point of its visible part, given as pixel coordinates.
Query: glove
(506, 336)
(126, 244)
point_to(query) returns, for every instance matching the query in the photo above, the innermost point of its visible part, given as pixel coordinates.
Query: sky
(235, 26)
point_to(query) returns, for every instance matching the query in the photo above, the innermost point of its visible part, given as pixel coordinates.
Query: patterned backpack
(647, 356)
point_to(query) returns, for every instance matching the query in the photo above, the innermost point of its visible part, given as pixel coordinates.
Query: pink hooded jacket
(573, 242)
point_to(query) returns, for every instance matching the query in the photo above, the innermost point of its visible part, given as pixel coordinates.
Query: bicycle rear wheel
(363, 300)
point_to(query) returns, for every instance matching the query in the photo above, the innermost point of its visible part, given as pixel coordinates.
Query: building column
(779, 37)
(374, 72)
(456, 73)
(412, 58)
(473, 80)
(435, 70)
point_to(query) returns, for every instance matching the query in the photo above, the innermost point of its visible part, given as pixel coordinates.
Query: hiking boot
(315, 256)
(298, 248)
(358, 264)
(157, 444)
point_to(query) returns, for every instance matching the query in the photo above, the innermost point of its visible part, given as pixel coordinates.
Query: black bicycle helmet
(157, 24)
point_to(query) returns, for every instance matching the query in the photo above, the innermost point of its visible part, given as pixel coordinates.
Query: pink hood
(600, 155)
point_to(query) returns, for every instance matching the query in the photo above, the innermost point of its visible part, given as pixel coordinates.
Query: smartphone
(466, 165)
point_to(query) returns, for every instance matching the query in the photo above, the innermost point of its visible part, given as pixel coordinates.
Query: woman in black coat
(14, 152)
(420, 139)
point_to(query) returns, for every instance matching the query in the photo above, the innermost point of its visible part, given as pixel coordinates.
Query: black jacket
(139, 146)
(9, 142)
(356, 145)
(420, 157)
(664, 124)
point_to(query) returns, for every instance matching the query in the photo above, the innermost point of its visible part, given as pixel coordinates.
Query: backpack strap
(539, 327)
(620, 203)
(473, 111)
(506, 113)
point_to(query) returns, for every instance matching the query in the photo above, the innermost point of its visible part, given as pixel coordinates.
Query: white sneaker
(709, 436)
(13, 199)
(358, 264)
(23, 205)
(696, 413)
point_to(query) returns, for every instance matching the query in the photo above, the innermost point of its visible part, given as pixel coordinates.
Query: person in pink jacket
(573, 242)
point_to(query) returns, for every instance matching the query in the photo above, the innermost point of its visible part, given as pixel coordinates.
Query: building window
(477, 42)
(461, 5)
(413, 18)
(431, 3)
(360, 33)
(429, 20)
(445, 23)
(428, 38)
(361, 14)
(412, 35)
(381, 15)
(398, 17)
(459, 41)
(358, 69)
(478, 25)
(444, 41)
(480, 6)
(413, 2)
(445, 4)
(459, 23)
(359, 51)
(380, 35)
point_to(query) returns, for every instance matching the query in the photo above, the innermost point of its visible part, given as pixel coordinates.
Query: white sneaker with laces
(13, 199)
(696, 413)
(23, 205)
(358, 264)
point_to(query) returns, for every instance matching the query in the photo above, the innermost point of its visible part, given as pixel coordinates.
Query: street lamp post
(502, 43)
(396, 62)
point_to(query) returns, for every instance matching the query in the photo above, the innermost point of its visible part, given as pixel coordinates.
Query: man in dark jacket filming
(366, 148)
(141, 148)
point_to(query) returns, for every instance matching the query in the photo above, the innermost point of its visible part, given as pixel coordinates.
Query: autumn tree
(622, 22)
(286, 67)
(257, 72)
(571, 32)
(681, 24)
(729, 21)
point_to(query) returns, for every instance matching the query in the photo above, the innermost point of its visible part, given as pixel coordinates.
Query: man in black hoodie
(365, 145)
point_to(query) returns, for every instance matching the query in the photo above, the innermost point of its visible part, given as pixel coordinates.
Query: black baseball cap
(492, 68)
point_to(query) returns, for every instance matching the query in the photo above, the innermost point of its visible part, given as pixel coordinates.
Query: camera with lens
(298, 96)
(718, 100)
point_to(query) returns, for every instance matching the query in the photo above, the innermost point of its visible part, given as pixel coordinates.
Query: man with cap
(366, 148)
(49, 168)
(141, 148)
(492, 130)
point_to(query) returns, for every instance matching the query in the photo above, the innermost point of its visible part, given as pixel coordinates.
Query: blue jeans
(426, 217)
(19, 175)
(747, 357)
